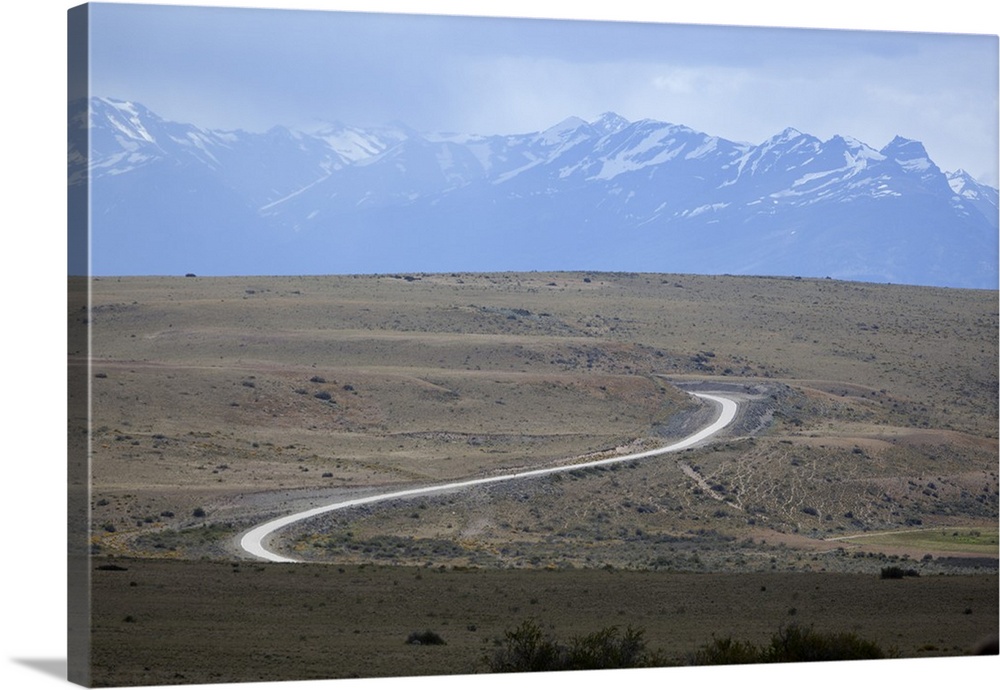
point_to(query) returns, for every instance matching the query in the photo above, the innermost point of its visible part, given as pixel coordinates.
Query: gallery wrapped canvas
(437, 345)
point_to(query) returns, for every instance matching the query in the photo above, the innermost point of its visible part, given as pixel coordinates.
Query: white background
(32, 463)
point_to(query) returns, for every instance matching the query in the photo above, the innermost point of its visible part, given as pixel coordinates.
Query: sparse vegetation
(791, 644)
(677, 613)
(528, 648)
(860, 448)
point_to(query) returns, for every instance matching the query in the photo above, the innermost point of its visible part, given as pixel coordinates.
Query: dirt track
(253, 541)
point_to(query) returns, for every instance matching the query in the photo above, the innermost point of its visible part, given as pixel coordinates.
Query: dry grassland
(876, 404)
(870, 414)
(296, 622)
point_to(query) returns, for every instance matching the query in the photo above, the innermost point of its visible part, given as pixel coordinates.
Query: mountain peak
(787, 134)
(118, 104)
(903, 149)
(900, 141)
(964, 184)
(561, 130)
(609, 123)
(125, 118)
(568, 125)
(910, 155)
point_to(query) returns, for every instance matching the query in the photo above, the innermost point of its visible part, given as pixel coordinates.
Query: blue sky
(251, 68)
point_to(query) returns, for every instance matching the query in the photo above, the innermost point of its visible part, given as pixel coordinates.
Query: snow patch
(703, 209)
(710, 144)
(557, 133)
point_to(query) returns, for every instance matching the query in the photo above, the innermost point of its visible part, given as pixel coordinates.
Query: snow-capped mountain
(979, 196)
(603, 195)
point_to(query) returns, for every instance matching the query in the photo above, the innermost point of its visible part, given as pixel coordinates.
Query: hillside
(873, 410)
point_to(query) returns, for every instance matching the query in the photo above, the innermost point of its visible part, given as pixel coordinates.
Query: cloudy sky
(222, 67)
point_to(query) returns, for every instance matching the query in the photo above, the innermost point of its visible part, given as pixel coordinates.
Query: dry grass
(871, 409)
(329, 621)
(876, 404)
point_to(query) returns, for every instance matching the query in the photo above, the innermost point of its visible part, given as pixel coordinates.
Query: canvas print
(418, 345)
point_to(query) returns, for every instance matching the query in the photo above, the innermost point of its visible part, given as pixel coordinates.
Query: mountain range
(604, 195)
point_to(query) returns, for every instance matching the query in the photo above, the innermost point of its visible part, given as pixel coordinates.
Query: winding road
(253, 542)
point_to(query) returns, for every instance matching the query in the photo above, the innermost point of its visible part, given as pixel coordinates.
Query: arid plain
(867, 439)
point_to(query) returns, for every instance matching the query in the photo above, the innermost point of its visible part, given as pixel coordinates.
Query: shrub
(894, 572)
(791, 644)
(608, 649)
(726, 651)
(425, 637)
(198, 512)
(795, 643)
(528, 648)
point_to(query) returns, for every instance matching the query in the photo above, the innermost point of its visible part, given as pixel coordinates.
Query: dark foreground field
(867, 440)
(243, 621)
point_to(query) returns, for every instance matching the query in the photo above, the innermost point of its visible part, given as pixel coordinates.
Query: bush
(528, 648)
(608, 649)
(425, 637)
(791, 644)
(726, 651)
(894, 572)
(803, 644)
